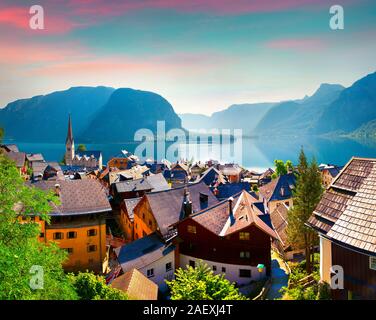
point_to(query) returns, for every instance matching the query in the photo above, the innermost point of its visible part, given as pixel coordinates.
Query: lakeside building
(85, 159)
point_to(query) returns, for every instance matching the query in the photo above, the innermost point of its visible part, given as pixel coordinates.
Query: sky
(202, 56)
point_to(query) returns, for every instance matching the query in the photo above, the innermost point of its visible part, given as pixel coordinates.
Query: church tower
(69, 144)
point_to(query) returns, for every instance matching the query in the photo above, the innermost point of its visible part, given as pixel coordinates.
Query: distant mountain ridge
(237, 116)
(99, 114)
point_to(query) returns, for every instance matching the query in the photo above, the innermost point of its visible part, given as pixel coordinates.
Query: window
(243, 273)
(214, 268)
(168, 266)
(245, 254)
(143, 216)
(223, 269)
(91, 248)
(372, 263)
(150, 273)
(191, 229)
(41, 235)
(58, 236)
(243, 235)
(192, 263)
(287, 204)
(150, 223)
(71, 235)
(92, 232)
(69, 250)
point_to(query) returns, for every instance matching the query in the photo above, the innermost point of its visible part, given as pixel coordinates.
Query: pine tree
(306, 196)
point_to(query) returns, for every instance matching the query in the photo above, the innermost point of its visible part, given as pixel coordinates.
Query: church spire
(70, 132)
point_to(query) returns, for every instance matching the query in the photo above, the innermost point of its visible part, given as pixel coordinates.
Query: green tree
(200, 283)
(282, 168)
(92, 287)
(1, 134)
(306, 196)
(81, 148)
(20, 249)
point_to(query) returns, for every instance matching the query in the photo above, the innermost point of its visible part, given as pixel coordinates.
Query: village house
(84, 159)
(157, 166)
(9, 147)
(178, 175)
(121, 161)
(151, 256)
(78, 223)
(46, 171)
(19, 158)
(278, 191)
(157, 211)
(345, 220)
(279, 221)
(197, 169)
(328, 173)
(229, 236)
(227, 190)
(231, 171)
(136, 286)
(212, 177)
(126, 219)
(266, 177)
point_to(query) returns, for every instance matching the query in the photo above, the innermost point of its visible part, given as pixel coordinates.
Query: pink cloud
(19, 17)
(297, 44)
(112, 8)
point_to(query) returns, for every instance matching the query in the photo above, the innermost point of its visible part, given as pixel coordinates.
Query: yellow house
(78, 223)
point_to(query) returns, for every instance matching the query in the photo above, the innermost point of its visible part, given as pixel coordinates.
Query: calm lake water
(256, 153)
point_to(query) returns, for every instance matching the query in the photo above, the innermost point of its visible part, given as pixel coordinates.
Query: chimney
(187, 203)
(57, 190)
(231, 213)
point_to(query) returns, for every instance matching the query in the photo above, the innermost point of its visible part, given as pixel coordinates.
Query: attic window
(241, 217)
(204, 197)
(372, 263)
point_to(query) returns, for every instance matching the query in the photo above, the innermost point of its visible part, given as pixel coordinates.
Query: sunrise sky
(202, 56)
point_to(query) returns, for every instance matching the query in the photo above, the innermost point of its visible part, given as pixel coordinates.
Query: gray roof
(34, 157)
(142, 252)
(130, 204)
(133, 186)
(18, 157)
(10, 147)
(158, 182)
(77, 196)
(167, 206)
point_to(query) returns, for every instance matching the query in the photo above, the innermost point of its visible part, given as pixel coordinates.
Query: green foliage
(201, 283)
(306, 196)
(19, 245)
(92, 287)
(81, 148)
(1, 134)
(282, 168)
(62, 161)
(255, 188)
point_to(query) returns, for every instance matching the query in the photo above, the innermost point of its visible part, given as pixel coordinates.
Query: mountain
(44, 118)
(237, 116)
(127, 111)
(99, 114)
(299, 116)
(355, 107)
(366, 130)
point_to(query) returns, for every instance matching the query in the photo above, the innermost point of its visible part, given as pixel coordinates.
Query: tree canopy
(306, 196)
(282, 168)
(81, 148)
(23, 259)
(200, 283)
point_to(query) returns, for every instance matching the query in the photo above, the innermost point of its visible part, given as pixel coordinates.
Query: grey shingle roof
(18, 157)
(133, 186)
(77, 196)
(167, 205)
(347, 211)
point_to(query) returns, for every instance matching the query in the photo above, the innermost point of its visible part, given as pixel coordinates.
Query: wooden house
(345, 220)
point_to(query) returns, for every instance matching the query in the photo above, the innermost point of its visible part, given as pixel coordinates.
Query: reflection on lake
(256, 153)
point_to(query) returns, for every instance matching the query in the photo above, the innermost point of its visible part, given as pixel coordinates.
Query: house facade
(230, 237)
(345, 220)
(78, 223)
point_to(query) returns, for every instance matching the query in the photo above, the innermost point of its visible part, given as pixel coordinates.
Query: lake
(253, 153)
